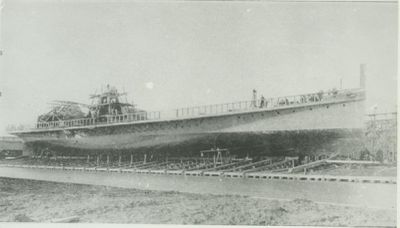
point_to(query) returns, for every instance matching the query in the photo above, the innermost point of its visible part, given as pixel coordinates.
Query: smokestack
(362, 75)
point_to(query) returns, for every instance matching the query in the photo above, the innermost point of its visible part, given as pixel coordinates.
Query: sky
(187, 53)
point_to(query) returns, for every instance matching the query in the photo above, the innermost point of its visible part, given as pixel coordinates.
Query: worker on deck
(254, 101)
(262, 102)
(320, 95)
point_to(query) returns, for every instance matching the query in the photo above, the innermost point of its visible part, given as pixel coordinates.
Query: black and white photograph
(174, 112)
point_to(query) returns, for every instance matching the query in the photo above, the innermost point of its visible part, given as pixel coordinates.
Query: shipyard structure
(308, 125)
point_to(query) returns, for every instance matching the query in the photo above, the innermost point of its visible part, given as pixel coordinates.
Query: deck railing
(131, 117)
(269, 103)
(206, 110)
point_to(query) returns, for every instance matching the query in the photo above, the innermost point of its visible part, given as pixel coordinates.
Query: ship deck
(198, 112)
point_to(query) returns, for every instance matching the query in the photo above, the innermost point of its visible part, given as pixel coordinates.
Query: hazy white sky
(173, 54)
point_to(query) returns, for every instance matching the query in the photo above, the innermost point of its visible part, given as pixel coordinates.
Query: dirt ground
(358, 170)
(39, 201)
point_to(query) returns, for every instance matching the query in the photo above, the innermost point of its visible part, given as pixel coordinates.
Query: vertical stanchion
(131, 160)
(215, 163)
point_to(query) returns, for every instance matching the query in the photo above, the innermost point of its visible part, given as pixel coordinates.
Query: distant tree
(379, 156)
(365, 154)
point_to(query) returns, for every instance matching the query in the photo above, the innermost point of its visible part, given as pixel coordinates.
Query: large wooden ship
(322, 122)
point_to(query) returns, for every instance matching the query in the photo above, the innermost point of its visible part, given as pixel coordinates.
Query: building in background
(10, 147)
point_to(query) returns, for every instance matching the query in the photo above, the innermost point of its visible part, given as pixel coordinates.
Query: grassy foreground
(39, 201)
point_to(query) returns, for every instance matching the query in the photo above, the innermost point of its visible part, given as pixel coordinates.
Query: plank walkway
(252, 175)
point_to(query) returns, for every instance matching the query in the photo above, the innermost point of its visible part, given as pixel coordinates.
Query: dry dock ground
(39, 201)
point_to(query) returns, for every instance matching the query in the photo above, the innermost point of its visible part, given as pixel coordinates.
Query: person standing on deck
(254, 101)
(262, 102)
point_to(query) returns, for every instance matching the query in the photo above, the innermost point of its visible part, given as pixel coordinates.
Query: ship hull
(330, 126)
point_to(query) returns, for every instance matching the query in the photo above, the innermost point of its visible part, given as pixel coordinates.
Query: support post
(131, 160)
(219, 156)
(108, 159)
(119, 161)
(88, 158)
(215, 162)
(144, 160)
